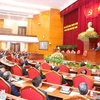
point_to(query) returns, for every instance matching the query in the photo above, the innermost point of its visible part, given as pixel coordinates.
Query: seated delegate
(7, 77)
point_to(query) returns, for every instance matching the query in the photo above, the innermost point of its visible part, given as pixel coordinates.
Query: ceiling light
(21, 4)
(2, 7)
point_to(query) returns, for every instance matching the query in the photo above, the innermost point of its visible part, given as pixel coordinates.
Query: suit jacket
(47, 98)
(98, 48)
(63, 80)
(14, 90)
(26, 62)
(41, 75)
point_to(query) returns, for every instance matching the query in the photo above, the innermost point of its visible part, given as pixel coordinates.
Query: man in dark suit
(57, 69)
(23, 69)
(38, 67)
(37, 82)
(26, 61)
(7, 77)
(98, 46)
(2, 68)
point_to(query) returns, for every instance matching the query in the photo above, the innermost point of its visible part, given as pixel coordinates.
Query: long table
(45, 85)
(12, 97)
(68, 77)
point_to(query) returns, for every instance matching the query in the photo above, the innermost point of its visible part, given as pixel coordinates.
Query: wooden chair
(27, 67)
(12, 59)
(83, 78)
(32, 93)
(16, 70)
(76, 97)
(64, 68)
(4, 86)
(46, 66)
(33, 72)
(17, 61)
(79, 70)
(53, 77)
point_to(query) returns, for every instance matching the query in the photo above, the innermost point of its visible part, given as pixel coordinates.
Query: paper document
(21, 81)
(51, 88)
(64, 76)
(74, 93)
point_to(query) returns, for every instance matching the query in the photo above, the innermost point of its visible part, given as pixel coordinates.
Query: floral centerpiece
(89, 34)
(55, 58)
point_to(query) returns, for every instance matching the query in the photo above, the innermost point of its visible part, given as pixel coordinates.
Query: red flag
(91, 11)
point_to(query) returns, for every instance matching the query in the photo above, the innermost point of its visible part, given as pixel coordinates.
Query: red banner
(92, 11)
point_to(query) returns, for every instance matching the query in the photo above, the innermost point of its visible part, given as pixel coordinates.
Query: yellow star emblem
(99, 8)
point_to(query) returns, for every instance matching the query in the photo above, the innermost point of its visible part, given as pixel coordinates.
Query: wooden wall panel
(50, 25)
(56, 28)
(29, 27)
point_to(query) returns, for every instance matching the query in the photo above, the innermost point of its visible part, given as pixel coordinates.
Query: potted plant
(68, 47)
(56, 58)
(90, 66)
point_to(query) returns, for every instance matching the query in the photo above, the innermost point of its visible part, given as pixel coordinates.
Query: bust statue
(90, 28)
(89, 33)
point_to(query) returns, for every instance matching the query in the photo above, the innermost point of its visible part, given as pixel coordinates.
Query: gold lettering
(99, 8)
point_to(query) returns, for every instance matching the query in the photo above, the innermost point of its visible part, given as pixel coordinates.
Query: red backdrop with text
(80, 15)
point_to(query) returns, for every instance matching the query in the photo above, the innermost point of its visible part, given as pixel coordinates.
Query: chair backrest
(27, 66)
(83, 78)
(46, 66)
(17, 60)
(12, 59)
(64, 68)
(33, 72)
(16, 70)
(79, 70)
(4, 86)
(76, 97)
(85, 53)
(68, 51)
(78, 51)
(53, 77)
(31, 93)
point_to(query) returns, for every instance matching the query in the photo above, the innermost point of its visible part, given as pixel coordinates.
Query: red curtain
(78, 15)
(83, 21)
(70, 36)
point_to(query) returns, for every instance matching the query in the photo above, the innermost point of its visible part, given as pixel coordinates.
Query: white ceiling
(18, 9)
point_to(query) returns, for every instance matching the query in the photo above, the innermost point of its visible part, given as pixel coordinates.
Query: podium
(89, 43)
(93, 57)
(86, 43)
(98, 57)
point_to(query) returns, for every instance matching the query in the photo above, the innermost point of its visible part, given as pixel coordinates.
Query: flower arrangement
(70, 46)
(88, 34)
(56, 57)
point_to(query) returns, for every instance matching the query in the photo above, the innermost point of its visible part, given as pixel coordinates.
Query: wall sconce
(50, 43)
(43, 37)
(39, 24)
